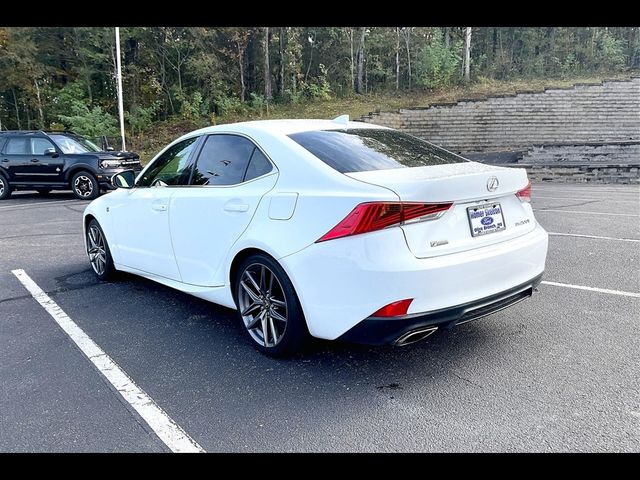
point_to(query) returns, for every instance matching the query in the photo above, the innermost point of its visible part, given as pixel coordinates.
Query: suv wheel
(85, 186)
(5, 188)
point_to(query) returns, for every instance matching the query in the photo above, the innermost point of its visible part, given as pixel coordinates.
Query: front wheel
(5, 188)
(85, 186)
(99, 253)
(269, 307)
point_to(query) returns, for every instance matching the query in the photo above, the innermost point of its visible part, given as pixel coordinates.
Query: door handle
(236, 207)
(160, 207)
(34, 160)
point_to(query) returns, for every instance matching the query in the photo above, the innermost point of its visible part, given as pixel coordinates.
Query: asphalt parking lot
(559, 372)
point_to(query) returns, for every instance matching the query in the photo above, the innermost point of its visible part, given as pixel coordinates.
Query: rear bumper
(380, 331)
(344, 281)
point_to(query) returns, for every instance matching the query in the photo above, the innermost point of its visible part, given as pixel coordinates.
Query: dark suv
(45, 161)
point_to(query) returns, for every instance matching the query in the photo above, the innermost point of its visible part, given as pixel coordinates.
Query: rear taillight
(525, 194)
(368, 217)
(395, 309)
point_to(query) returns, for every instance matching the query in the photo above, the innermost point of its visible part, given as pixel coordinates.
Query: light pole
(119, 78)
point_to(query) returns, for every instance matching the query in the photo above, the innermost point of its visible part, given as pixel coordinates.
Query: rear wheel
(43, 191)
(5, 188)
(269, 307)
(85, 186)
(99, 253)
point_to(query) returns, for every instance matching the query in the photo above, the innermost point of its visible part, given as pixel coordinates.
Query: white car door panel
(142, 230)
(230, 177)
(205, 223)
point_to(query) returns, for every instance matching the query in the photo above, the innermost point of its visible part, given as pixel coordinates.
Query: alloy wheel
(2, 185)
(83, 186)
(263, 305)
(97, 250)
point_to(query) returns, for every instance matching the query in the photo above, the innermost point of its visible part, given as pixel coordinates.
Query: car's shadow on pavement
(210, 339)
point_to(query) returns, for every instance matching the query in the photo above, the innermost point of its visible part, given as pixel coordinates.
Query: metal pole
(119, 78)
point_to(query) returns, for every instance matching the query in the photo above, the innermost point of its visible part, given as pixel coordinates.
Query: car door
(15, 159)
(46, 160)
(230, 176)
(141, 218)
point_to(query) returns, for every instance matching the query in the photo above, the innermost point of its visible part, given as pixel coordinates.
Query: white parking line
(586, 213)
(592, 236)
(593, 289)
(54, 203)
(168, 430)
(536, 197)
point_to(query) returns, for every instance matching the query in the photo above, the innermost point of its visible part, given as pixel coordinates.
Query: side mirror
(109, 149)
(124, 179)
(51, 152)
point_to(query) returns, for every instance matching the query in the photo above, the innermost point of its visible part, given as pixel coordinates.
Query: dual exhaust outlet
(414, 336)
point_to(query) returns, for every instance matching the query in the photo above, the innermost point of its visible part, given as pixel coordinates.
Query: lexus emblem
(492, 184)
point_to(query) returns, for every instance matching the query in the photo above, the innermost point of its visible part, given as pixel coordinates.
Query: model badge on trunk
(492, 184)
(437, 243)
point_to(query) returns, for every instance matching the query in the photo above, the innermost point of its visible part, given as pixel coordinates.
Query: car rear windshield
(363, 149)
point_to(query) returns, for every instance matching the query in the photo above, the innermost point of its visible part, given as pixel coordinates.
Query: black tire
(84, 185)
(5, 188)
(93, 241)
(43, 191)
(291, 335)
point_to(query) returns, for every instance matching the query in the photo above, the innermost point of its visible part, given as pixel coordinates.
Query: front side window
(172, 167)
(225, 159)
(71, 144)
(39, 145)
(364, 149)
(17, 146)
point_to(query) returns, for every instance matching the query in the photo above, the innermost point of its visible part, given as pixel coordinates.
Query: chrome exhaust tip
(414, 336)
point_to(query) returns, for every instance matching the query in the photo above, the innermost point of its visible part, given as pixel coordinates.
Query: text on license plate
(485, 219)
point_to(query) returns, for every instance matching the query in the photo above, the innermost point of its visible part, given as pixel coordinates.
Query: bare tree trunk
(26, 110)
(281, 66)
(353, 77)
(241, 66)
(267, 69)
(397, 58)
(407, 41)
(467, 54)
(447, 38)
(35, 82)
(15, 103)
(360, 61)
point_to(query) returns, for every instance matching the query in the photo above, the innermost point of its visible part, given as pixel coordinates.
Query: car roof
(283, 127)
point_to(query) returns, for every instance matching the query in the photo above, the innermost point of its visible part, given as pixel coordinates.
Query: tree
(467, 54)
(360, 61)
(267, 69)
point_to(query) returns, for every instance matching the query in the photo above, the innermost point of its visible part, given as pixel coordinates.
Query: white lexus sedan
(331, 229)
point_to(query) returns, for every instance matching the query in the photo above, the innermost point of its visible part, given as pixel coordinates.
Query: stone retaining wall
(582, 114)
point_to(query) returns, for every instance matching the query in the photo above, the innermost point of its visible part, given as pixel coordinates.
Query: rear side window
(17, 146)
(2, 140)
(364, 149)
(223, 160)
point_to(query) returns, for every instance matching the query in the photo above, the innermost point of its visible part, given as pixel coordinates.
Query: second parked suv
(45, 161)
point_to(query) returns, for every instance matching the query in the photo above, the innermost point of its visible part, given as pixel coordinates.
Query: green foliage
(439, 66)
(141, 118)
(78, 116)
(610, 54)
(320, 88)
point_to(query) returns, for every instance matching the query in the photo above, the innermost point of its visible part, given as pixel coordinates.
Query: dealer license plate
(485, 219)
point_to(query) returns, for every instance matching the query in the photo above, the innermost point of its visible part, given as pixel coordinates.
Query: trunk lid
(466, 185)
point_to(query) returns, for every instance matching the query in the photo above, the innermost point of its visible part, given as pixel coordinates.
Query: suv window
(39, 145)
(224, 160)
(17, 146)
(363, 149)
(172, 167)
